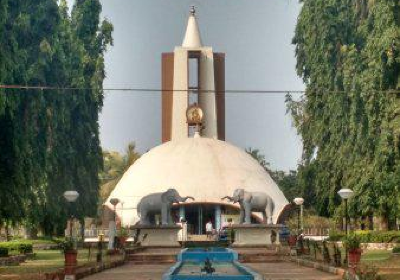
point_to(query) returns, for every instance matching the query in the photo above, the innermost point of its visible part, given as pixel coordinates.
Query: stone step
(152, 258)
(148, 262)
(260, 259)
(259, 256)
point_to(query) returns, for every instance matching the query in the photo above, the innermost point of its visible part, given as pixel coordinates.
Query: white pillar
(218, 217)
(112, 228)
(182, 214)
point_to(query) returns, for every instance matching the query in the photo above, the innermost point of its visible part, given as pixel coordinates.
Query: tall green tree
(51, 140)
(287, 181)
(348, 55)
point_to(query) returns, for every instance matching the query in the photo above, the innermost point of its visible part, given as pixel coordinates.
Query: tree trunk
(380, 223)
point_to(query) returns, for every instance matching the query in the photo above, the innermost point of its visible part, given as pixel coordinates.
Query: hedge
(336, 236)
(22, 247)
(3, 252)
(367, 236)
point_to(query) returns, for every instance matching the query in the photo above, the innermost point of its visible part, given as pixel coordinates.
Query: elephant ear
(168, 196)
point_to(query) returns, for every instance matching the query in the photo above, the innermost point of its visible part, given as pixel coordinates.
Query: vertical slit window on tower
(193, 84)
(193, 77)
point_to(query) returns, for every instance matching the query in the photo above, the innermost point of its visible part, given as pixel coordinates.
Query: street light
(345, 194)
(299, 202)
(113, 224)
(114, 202)
(71, 196)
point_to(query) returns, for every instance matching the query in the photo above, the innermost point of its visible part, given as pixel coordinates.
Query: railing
(316, 231)
(331, 253)
(97, 232)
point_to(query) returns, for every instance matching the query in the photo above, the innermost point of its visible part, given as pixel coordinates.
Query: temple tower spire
(192, 37)
(193, 75)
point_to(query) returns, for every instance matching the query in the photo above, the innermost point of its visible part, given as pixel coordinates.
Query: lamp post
(70, 254)
(345, 194)
(299, 202)
(71, 197)
(112, 229)
(122, 212)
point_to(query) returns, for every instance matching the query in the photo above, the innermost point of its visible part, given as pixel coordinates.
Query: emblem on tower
(194, 115)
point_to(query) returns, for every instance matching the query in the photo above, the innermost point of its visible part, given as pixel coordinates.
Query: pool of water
(221, 268)
(224, 261)
(213, 254)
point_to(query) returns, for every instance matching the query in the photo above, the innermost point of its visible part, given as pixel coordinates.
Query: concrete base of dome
(256, 235)
(159, 236)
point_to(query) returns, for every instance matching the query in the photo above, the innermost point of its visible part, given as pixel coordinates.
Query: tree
(50, 142)
(348, 55)
(115, 167)
(258, 156)
(287, 181)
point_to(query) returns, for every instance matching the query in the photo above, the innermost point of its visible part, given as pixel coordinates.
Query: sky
(256, 37)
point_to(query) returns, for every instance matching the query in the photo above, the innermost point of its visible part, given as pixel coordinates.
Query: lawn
(388, 265)
(48, 261)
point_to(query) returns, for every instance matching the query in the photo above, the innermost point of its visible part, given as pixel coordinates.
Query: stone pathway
(271, 271)
(132, 272)
(290, 271)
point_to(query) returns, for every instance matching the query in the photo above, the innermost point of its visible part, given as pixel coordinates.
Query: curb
(320, 266)
(84, 271)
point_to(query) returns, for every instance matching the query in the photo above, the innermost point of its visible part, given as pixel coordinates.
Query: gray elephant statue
(159, 202)
(252, 202)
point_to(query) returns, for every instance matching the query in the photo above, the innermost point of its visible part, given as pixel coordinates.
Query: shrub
(68, 245)
(336, 236)
(367, 236)
(364, 273)
(25, 248)
(352, 242)
(3, 252)
(21, 247)
(396, 250)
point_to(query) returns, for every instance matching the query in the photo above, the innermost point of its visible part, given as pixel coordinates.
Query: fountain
(208, 268)
(209, 264)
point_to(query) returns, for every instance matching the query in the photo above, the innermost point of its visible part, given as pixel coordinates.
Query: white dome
(204, 168)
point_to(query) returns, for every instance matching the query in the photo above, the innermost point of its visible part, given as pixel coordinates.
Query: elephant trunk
(230, 198)
(183, 199)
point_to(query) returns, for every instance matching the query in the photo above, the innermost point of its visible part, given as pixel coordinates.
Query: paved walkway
(290, 271)
(271, 271)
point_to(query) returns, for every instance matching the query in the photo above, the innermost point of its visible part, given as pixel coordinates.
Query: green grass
(387, 264)
(376, 255)
(49, 261)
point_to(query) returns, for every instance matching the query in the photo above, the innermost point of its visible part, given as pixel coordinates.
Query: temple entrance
(197, 215)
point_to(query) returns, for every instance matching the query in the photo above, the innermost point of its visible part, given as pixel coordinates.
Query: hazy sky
(256, 37)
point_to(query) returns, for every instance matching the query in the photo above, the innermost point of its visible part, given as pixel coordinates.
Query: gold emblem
(194, 115)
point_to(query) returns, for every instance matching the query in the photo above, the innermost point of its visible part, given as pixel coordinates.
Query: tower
(193, 74)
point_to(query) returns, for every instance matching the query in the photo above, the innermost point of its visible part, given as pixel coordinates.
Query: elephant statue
(252, 201)
(159, 202)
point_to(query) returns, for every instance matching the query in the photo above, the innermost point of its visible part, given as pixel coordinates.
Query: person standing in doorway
(209, 229)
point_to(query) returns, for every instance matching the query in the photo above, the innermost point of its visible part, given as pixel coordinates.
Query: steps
(154, 256)
(151, 259)
(259, 255)
(168, 255)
